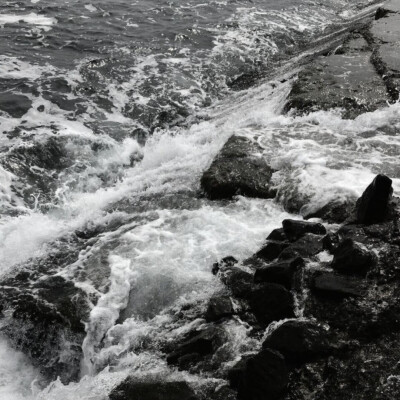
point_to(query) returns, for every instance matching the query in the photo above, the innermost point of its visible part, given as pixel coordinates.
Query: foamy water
(159, 256)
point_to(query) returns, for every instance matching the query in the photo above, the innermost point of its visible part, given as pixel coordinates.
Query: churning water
(130, 102)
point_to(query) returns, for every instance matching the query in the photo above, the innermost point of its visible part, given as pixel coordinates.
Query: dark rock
(236, 171)
(351, 258)
(282, 273)
(373, 205)
(271, 302)
(307, 246)
(334, 286)
(226, 262)
(333, 213)
(260, 377)
(299, 341)
(224, 393)
(238, 281)
(219, 307)
(14, 104)
(295, 229)
(130, 389)
(330, 242)
(271, 250)
(348, 81)
(199, 343)
(277, 235)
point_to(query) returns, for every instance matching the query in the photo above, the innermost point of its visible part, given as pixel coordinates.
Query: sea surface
(131, 101)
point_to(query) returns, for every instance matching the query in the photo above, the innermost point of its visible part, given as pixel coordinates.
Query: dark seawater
(118, 107)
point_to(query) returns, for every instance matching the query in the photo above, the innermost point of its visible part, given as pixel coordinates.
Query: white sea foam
(17, 375)
(31, 19)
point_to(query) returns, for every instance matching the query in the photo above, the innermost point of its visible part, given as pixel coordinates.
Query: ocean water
(131, 100)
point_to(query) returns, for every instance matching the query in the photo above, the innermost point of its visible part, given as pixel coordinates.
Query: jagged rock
(260, 377)
(130, 389)
(282, 273)
(350, 258)
(236, 170)
(373, 205)
(333, 213)
(219, 307)
(348, 81)
(299, 341)
(271, 302)
(15, 104)
(196, 346)
(334, 286)
(295, 229)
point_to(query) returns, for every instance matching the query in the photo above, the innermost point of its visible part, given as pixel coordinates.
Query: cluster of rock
(332, 298)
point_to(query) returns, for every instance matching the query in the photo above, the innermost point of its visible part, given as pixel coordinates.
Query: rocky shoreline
(321, 298)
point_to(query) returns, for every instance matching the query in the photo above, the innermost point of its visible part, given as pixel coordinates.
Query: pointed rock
(373, 206)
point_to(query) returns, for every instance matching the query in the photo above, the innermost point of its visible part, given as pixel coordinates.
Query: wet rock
(386, 30)
(299, 341)
(330, 285)
(196, 346)
(226, 262)
(36, 166)
(373, 205)
(330, 242)
(391, 6)
(219, 307)
(237, 171)
(350, 258)
(47, 322)
(295, 229)
(260, 377)
(348, 81)
(277, 235)
(333, 213)
(307, 246)
(271, 302)
(271, 250)
(238, 281)
(131, 389)
(282, 273)
(14, 104)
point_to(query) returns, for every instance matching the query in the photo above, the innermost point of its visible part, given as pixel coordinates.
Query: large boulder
(299, 341)
(373, 206)
(260, 377)
(131, 389)
(352, 259)
(238, 169)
